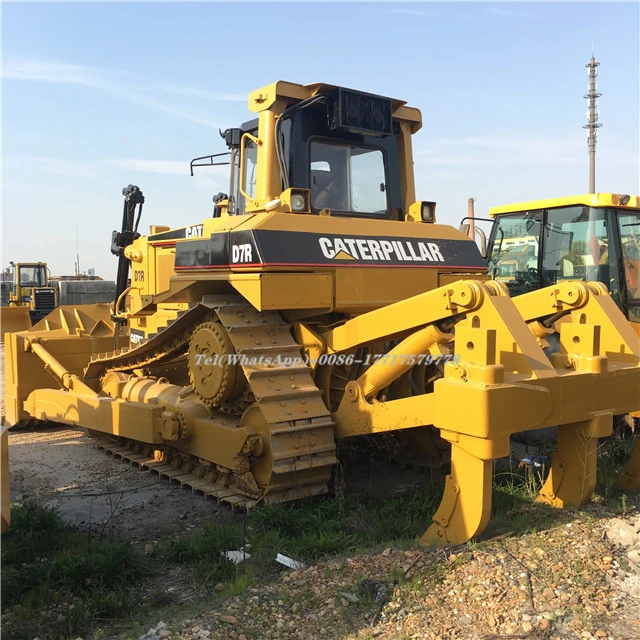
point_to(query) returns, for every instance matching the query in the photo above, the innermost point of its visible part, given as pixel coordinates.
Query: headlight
(298, 202)
(295, 200)
(428, 211)
(422, 211)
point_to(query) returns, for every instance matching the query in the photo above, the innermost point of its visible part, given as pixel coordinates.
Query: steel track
(298, 425)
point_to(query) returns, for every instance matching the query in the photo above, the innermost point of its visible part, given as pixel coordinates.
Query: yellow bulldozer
(322, 301)
(26, 296)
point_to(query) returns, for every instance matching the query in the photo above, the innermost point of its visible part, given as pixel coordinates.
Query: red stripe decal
(324, 264)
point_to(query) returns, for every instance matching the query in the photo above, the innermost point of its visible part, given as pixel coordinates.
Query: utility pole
(472, 218)
(592, 125)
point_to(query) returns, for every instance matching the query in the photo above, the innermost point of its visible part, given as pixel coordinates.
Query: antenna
(592, 119)
(77, 253)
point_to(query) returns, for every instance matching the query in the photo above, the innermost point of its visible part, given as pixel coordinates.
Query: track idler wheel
(214, 375)
(258, 446)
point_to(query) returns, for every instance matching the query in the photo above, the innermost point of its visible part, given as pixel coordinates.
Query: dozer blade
(72, 334)
(14, 319)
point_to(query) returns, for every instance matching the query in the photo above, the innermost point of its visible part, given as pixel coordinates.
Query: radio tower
(592, 125)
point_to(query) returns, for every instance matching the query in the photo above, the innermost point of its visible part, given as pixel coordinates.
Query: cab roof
(265, 97)
(588, 199)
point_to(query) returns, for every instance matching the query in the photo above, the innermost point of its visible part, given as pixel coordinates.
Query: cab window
(250, 167)
(514, 255)
(576, 245)
(349, 178)
(31, 276)
(629, 226)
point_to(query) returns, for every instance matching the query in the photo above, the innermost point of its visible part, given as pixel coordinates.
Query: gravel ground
(578, 579)
(62, 468)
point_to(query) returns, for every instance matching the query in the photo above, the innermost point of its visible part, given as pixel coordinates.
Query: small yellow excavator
(319, 301)
(26, 296)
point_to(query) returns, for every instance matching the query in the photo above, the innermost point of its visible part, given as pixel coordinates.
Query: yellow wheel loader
(586, 237)
(26, 296)
(321, 301)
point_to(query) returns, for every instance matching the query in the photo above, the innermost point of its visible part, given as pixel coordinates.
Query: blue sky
(96, 96)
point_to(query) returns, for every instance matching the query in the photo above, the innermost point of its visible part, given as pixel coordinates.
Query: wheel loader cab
(32, 275)
(594, 237)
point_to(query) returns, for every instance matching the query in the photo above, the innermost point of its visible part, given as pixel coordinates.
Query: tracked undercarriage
(241, 364)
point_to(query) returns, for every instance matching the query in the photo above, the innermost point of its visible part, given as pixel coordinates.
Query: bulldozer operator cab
(593, 237)
(339, 148)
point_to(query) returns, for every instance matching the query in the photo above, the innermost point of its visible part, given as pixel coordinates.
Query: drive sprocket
(215, 375)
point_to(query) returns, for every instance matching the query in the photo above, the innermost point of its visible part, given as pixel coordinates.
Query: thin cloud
(213, 178)
(522, 150)
(172, 167)
(510, 13)
(412, 12)
(113, 81)
(205, 177)
(54, 166)
(198, 93)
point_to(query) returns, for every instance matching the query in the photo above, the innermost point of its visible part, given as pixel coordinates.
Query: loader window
(514, 255)
(33, 275)
(629, 225)
(576, 245)
(348, 178)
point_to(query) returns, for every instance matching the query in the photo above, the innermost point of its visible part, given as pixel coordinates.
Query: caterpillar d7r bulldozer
(322, 301)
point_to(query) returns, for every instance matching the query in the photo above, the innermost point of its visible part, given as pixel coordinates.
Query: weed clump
(75, 579)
